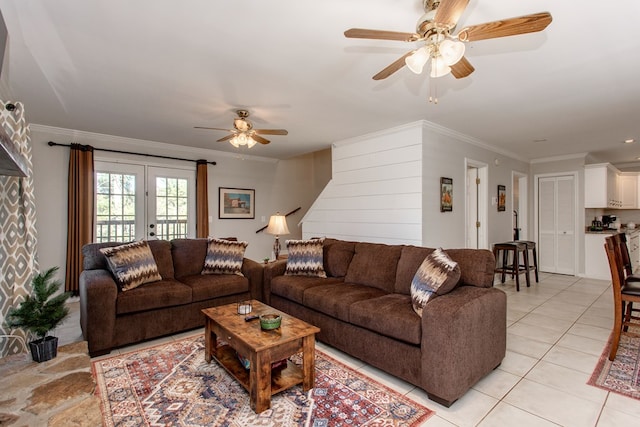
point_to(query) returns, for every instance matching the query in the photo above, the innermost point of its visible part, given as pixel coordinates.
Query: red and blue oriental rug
(623, 374)
(171, 385)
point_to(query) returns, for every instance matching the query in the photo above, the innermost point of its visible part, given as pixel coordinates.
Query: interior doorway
(519, 197)
(476, 204)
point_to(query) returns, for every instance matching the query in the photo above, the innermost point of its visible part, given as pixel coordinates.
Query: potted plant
(40, 313)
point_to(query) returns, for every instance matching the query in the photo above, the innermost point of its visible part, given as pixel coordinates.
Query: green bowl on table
(270, 321)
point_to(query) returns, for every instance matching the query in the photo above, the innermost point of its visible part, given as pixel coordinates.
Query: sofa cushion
(374, 264)
(224, 257)
(204, 287)
(293, 287)
(131, 264)
(391, 315)
(305, 258)
(438, 274)
(161, 294)
(410, 260)
(93, 259)
(188, 256)
(337, 256)
(335, 299)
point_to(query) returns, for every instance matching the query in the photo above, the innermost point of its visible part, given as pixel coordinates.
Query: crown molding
(100, 140)
(560, 158)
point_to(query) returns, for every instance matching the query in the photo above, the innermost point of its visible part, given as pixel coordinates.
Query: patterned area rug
(171, 384)
(623, 374)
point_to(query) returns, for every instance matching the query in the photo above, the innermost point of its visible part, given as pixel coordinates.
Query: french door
(135, 201)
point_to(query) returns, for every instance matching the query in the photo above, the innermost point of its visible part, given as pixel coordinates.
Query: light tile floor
(557, 330)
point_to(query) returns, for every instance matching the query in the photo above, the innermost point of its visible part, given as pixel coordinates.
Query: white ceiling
(154, 69)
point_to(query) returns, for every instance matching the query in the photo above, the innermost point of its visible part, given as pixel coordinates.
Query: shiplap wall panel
(375, 194)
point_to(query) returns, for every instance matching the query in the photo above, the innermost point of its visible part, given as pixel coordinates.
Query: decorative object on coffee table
(40, 313)
(278, 227)
(270, 321)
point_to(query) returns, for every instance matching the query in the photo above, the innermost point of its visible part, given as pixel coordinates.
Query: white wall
(386, 188)
(376, 192)
(280, 186)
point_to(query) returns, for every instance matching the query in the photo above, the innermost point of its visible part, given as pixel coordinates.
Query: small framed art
(446, 194)
(502, 198)
(236, 203)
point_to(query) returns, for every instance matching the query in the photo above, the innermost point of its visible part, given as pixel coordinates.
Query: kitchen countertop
(612, 231)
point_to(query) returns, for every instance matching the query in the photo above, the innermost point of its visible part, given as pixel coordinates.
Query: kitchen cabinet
(628, 187)
(601, 189)
(596, 264)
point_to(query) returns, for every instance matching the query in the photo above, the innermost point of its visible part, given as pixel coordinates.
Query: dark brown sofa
(364, 308)
(111, 318)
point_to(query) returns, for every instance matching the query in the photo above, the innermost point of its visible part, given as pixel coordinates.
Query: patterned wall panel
(18, 252)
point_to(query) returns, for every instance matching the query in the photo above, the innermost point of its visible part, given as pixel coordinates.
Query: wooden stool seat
(531, 247)
(502, 252)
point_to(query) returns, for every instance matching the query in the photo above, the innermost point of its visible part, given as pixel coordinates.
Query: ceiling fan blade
(361, 33)
(271, 131)
(462, 68)
(449, 12)
(226, 130)
(393, 67)
(226, 138)
(260, 139)
(506, 27)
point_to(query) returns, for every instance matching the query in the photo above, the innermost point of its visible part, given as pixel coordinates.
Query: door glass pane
(171, 208)
(115, 207)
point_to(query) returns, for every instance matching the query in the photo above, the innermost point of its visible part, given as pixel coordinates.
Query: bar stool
(531, 246)
(502, 252)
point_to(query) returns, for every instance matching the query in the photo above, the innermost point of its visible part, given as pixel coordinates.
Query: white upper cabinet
(601, 186)
(629, 190)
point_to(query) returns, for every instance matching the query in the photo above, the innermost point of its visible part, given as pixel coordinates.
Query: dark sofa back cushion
(374, 264)
(408, 264)
(188, 256)
(476, 266)
(337, 256)
(161, 250)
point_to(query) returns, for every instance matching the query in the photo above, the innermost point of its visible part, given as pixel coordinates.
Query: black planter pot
(44, 349)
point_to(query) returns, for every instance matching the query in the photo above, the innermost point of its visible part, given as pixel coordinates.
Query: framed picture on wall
(502, 198)
(446, 194)
(236, 203)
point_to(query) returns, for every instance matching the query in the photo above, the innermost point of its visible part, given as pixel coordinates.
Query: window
(135, 201)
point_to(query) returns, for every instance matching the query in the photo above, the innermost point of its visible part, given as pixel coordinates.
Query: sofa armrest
(98, 294)
(272, 270)
(464, 337)
(253, 271)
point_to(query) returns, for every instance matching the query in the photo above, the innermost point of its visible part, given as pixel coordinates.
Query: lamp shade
(438, 67)
(451, 51)
(416, 61)
(277, 225)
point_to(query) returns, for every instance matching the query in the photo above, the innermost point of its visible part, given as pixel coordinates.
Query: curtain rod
(51, 144)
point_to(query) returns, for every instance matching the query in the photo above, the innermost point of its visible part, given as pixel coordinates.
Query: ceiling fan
(446, 51)
(244, 133)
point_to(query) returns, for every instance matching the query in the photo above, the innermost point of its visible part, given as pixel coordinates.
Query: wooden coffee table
(262, 348)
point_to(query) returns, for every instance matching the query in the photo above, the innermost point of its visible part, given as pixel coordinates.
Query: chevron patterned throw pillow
(305, 258)
(132, 264)
(224, 257)
(437, 275)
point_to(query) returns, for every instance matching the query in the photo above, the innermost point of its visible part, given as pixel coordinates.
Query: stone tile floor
(557, 330)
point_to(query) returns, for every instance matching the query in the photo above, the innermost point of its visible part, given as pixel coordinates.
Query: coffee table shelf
(281, 378)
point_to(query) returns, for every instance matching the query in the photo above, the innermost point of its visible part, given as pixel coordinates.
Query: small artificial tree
(41, 312)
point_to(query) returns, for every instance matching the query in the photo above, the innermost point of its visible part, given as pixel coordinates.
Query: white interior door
(472, 208)
(556, 224)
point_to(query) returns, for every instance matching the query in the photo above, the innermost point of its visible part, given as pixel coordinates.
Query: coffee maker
(608, 221)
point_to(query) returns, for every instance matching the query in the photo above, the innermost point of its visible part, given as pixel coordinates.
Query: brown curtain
(80, 211)
(202, 200)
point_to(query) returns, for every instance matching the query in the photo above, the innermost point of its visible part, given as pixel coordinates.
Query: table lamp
(278, 227)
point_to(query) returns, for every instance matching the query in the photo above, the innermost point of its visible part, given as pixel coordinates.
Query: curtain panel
(80, 210)
(202, 199)
(18, 238)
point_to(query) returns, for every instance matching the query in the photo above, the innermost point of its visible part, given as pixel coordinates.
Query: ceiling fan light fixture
(242, 139)
(438, 67)
(417, 61)
(451, 51)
